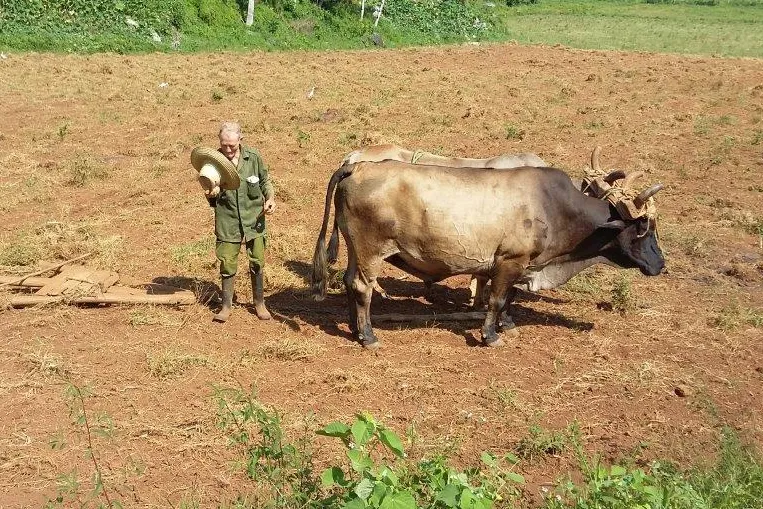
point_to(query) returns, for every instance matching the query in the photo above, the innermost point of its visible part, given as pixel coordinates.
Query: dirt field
(94, 156)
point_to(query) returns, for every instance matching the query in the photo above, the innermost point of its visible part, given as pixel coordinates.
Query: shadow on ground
(410, 297)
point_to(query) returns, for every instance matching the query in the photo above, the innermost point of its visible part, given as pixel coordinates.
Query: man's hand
(211, 193)
(270, 206)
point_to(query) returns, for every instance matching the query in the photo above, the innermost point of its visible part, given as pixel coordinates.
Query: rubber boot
(227, 286)
(258, 296)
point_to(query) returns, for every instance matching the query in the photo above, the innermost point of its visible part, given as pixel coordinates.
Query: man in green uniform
(240, 218)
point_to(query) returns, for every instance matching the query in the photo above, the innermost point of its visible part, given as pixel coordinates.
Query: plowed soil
(94, 156)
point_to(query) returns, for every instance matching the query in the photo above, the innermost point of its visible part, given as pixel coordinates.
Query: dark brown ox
(377, 153)
(435, 222)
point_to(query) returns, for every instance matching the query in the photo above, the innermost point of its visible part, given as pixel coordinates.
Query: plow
(78, 284)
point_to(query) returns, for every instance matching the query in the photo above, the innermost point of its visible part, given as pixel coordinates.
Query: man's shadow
(409, 297)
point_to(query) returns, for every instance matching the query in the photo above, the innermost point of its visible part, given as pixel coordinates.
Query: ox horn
(631, 178)
(595, 158)
(614, 175)
(647, 193)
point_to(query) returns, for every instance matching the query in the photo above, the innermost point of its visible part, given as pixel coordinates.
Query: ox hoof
(497, 343)
(371, 346)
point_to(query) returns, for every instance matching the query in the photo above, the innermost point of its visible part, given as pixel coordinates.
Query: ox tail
(320, 273)
(333, 248)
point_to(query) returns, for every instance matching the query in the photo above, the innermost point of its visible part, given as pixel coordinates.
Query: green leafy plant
(513, 132)
(735, 481)
(372, 482)
(377, 473)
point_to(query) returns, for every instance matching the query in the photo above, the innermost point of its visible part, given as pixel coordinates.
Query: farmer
(239, 212)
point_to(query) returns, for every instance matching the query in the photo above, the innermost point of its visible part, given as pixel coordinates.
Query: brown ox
(435, 222)
(377, 153)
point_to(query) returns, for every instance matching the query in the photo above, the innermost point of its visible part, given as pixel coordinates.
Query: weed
(378, 475)
(691, 245)
(303, 138)
(348, 139)
(507, 398)
(372, 482)
(757, 137)
(732, 317)
(68, 486)
(85, 169)
(283, 468)
(63, 131)
(541, 443)
(736, 480)
(217, 96)
(513, 132)
(623, 300)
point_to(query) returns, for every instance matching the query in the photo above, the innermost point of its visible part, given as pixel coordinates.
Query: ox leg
(480, 292)
(502, 281)
(363, 288)
(505, 321)
(349, 278)
(360, 288)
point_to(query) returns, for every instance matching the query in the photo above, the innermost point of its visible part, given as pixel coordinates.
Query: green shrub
(378, 475)
(735, 481)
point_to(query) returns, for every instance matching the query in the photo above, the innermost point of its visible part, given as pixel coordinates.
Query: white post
(362, 8)
(250, 13)
(378, 16)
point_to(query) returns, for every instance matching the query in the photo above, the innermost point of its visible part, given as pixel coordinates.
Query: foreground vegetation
(717, 27)
(378, 473)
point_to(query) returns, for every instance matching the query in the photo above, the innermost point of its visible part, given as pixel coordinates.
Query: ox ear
(615, 224)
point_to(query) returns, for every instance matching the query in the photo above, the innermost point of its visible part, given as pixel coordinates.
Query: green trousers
(227, 253)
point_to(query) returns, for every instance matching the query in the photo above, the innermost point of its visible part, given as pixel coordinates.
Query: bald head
(230, 139)
(230, 128)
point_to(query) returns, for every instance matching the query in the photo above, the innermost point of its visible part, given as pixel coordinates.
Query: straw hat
(214, 169)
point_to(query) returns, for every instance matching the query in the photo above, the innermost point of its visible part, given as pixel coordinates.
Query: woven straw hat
(203, 157)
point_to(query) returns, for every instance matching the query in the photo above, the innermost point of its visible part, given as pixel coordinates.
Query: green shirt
(239, 212)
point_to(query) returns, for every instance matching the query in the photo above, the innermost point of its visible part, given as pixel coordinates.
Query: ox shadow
(409, 297)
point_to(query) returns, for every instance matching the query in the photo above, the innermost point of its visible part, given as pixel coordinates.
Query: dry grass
(83, 170)
(45, 363)
(195, 257)
(152, 316)
(56, 240)
(171, 363)
(290, 349)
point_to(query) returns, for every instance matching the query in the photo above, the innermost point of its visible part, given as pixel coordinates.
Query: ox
(434, 222)
(377, 153)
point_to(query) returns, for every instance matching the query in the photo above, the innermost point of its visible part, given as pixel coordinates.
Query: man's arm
(265, 184)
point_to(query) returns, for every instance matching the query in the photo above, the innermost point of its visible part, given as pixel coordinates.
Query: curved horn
(630, 178)
(647, 193)
(614, 175)
(595, 159)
